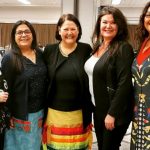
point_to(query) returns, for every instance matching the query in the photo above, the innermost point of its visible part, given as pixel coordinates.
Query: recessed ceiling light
(116, 2)
(25, 1)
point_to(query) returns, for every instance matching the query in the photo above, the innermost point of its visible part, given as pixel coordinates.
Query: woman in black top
(26, 74)
(69, 109)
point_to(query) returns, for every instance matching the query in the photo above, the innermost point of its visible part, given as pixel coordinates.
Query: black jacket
(116, 70)
(19, 86)
(80, 55)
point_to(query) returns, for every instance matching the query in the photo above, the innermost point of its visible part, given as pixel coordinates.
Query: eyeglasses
(26, 32)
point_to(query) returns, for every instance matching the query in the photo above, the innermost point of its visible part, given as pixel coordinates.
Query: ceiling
(57, 3)
(51, 3)
(126, 3)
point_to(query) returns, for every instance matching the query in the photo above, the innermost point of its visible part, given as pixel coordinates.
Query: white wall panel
(44, 15)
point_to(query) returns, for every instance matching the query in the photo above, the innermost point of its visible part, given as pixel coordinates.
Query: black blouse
(36, 75)
(65, 88)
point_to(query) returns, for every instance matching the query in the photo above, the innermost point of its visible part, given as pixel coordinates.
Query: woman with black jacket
(68, 122)
(110, 78)
(26, 74)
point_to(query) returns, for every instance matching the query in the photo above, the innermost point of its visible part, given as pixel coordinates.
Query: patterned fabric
(4, 118)
(26, 135)
(140, 136)
(64, 131)
(4, 112)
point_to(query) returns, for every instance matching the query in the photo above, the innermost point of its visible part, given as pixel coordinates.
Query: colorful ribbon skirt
(64, 131)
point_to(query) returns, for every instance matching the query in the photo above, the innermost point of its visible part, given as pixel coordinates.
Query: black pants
(1, 141)
(109, 140)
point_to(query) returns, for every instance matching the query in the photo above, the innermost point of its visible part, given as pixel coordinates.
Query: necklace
(65, 55)
(30, 55)
(66, 52)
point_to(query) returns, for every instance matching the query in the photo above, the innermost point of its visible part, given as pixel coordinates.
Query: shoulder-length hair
(68, 17)
(15, 50)
(121, 22)
(141, 31)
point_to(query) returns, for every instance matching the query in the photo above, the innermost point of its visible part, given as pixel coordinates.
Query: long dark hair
(122, 34)
(15, 50)
(69, 17)
(142, 33)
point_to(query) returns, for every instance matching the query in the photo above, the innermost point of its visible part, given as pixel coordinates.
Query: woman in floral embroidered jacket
(140, 136)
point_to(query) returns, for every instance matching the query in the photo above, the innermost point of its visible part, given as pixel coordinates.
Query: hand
(3, 96)
(11, 123)
(109, 122)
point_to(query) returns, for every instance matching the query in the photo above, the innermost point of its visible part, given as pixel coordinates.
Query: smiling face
(69, 32)
(23, 36)
(147, 20)
(108, 27)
